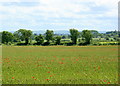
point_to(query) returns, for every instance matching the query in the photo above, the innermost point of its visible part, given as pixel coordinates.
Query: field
(60, 65)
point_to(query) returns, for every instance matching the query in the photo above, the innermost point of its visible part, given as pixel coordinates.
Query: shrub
(46, 43)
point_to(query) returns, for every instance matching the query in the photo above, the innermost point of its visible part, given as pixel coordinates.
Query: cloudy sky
(101, 15)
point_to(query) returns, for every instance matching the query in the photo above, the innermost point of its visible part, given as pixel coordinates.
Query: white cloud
(77, 11)
(18, 0)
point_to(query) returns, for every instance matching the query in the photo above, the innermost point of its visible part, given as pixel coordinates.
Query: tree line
(23, 36)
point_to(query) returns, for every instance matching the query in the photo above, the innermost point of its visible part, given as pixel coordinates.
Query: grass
(0, 64)
(60, 65)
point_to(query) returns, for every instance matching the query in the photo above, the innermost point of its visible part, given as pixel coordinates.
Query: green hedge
(106, 43)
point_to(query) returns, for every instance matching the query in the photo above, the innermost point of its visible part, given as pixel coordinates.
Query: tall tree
(57, 39)
(86, 34)
(25, 35)
(94, 33)
(17, 36)
(49, 35)
(7, 37)
(39, 39)
(0, 38)
(74, 35)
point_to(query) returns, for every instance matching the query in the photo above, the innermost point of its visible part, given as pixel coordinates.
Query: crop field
(59, 65)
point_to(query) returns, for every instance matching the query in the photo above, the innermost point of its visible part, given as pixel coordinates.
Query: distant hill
(65, 32)
(55, 32)
(60, 32)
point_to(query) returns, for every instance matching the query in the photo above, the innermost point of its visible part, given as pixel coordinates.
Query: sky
(35, 15)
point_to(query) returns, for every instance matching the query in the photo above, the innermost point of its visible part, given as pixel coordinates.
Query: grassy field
(60, 65)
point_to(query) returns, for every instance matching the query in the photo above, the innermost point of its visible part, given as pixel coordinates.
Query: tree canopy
(7, 37)
(74, 35)
(57, 39)
(86, 34)
(49, 35)
(39, 39)
(24, 35)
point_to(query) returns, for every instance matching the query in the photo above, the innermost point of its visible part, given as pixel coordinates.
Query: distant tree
(39, 39)
(115, 38)
(86, 34)
(0, 38)
(53, 39)
(16, 36)
(107, 38)
(63, 37)
(119, 34)
(74, 35)
(94, 33)
(25, 35)
(101, 35)
(7, 37)
(57, 39)
(79, 40)
(49, 35)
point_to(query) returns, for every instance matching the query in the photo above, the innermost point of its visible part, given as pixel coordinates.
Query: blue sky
(101, 15)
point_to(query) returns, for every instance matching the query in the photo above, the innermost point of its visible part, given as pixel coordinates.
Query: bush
(46, 43)
(82, 43)
(69, 44)
(20, 44)
(108, 43)
(9, 43)
(36, 44)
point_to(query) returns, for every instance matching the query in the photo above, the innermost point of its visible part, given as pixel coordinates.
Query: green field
(60, 65)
